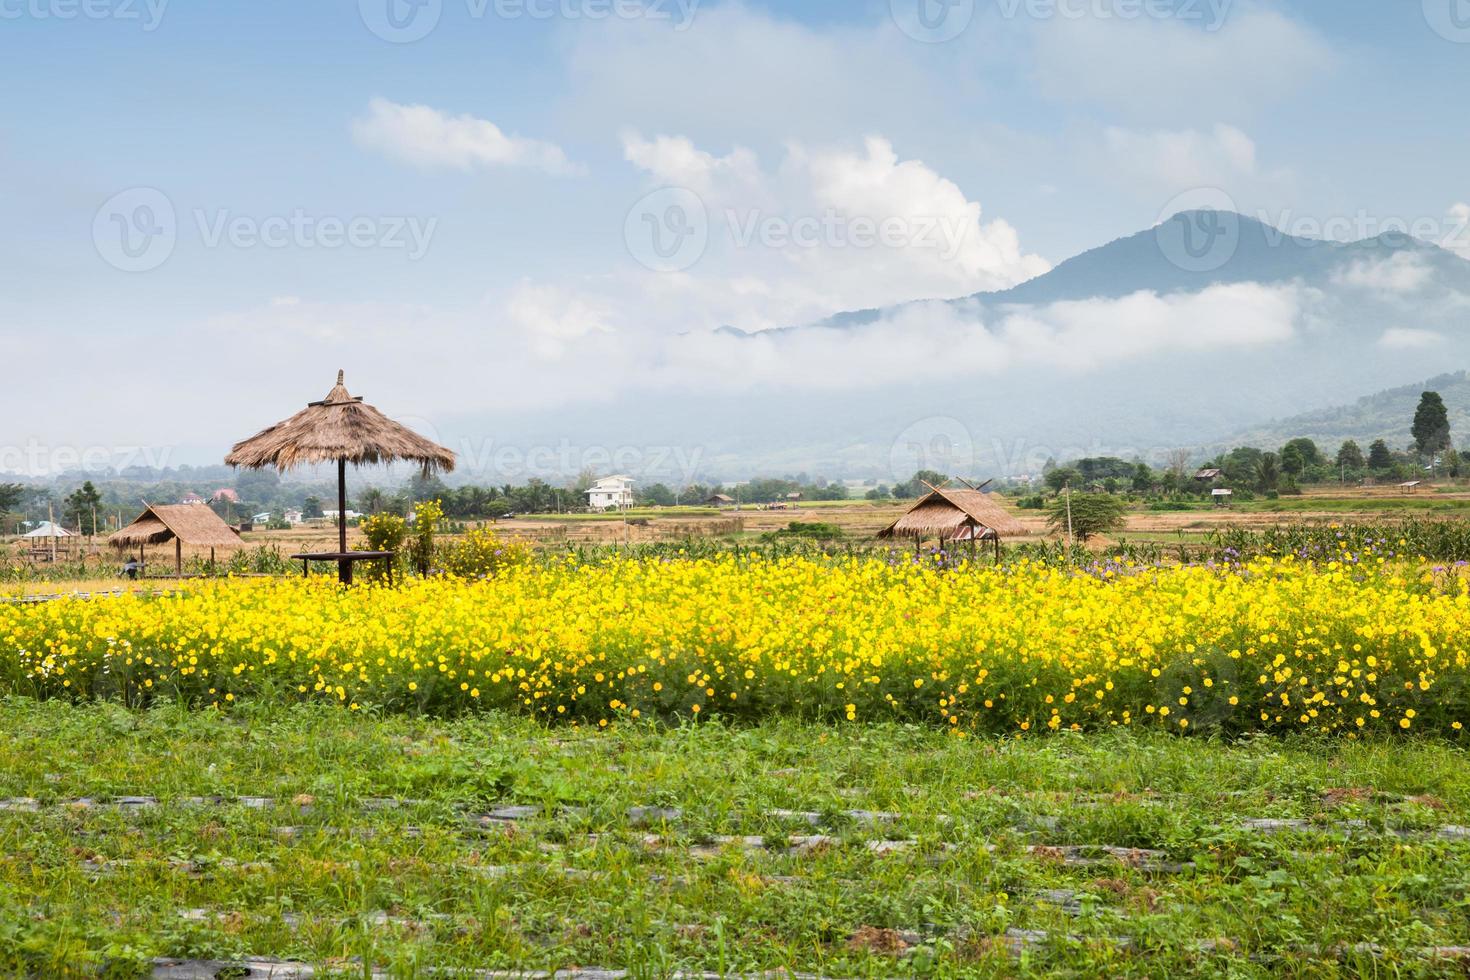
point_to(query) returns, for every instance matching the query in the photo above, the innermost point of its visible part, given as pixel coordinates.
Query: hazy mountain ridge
(1386, 415)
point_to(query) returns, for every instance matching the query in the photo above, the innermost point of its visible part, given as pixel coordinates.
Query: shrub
(384, 532)
(427, 516)
(481, 554)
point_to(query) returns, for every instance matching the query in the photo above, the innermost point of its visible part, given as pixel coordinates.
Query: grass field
(308, 833)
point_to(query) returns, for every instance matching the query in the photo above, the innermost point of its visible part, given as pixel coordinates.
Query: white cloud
(1170, 67)
(1457, 236)
(829, 229)
(424, 137)
(552, 320)
(1400, 273)
(1176, 159)
(1405, 338)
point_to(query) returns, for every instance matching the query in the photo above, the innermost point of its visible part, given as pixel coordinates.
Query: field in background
(877, 851)
(858, 521)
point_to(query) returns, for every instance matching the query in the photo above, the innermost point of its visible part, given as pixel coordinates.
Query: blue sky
(518, 141)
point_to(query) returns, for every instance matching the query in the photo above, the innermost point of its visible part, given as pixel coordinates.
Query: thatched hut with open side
(339, 429)
(955, 515)
(183, 524)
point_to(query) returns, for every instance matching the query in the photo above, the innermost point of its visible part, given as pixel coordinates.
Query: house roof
(48, 530)
(1207, 474)
(944, 513)
(196, 526)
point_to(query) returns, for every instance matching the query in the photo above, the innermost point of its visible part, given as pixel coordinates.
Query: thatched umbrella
(340, 429)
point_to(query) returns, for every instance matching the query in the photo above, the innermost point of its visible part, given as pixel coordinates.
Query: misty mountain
(1210, 325)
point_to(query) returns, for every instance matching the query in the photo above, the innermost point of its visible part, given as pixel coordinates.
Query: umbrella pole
(344, 567)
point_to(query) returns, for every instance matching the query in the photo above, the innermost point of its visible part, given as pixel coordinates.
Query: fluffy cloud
(828, 229)
(1457, 237)
(1406, 338)
(1399, 274)
(424, 137)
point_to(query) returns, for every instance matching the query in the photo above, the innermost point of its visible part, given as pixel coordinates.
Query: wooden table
(345, 561)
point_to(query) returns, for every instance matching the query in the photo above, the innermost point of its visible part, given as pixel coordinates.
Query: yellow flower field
(1274, 646)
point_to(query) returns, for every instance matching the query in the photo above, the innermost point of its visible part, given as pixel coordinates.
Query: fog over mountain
(1209, 325)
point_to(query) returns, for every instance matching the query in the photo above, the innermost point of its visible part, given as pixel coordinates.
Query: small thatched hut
(339, 429)
(955, 515)
(184, 524)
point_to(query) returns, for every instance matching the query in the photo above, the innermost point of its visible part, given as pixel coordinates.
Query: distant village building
(264, 517)
(611, 493)
(225, 495)
(294, 516)
(1222, 497)
(192, 499)
(1208, 475)
(720, 500)
(793, 496)
(331, 515)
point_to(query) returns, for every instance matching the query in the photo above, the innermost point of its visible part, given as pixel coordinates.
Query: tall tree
(11, 494)
(1350, 457)
(81, 508)
(1379, 458)
(1086, 514)
(1431, 425)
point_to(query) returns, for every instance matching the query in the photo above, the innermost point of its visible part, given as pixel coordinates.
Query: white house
(611, 493)
(293, 515)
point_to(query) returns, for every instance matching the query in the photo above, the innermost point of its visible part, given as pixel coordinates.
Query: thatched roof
(339, 427)
(946, 513)
(192, 524)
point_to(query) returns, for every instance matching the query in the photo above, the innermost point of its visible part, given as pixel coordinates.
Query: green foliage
(1350, 457)
(11, 494)
(384, 532)
(1379, 457)
(81, 508)
(1431, 428)
(1086, 514)
(427, 516)
(816, 530)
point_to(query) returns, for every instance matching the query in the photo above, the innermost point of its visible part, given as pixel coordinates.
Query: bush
(427, 516)
(481, 554)
(1089, 514)
(384, 532)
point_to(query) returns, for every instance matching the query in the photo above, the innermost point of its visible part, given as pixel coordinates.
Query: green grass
(330, 876)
